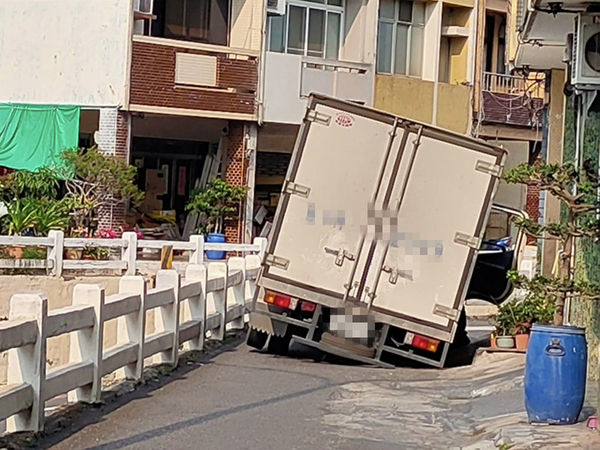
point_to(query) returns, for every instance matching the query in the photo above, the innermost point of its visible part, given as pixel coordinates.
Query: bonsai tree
(94, 180)
(577, 190)
(216, 203)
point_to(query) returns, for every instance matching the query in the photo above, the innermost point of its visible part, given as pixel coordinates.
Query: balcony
(289, 79)
(193, 79)
(512, 100)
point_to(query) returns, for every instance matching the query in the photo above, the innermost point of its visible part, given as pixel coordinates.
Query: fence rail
(511, 84)
(129, 246)
(207, 300)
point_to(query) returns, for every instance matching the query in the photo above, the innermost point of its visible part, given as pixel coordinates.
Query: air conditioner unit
(276, 7)
(143, 6)
(585, 67)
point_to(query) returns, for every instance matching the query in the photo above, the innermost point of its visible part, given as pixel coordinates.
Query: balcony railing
(533, 86)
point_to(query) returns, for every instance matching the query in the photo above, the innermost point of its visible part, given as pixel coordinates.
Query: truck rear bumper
(264, 320)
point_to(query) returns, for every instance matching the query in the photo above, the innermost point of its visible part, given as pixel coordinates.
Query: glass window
(197, 20)
(334, 22)
(400, 37)
(296, 29)
(316, 32)
(277, 34)
(384, 48)
(310, 28)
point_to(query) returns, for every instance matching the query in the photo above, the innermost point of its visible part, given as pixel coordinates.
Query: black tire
(279, 345)
(256, 338)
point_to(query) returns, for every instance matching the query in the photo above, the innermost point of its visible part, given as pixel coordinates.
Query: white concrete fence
(206, 301)
(128, 244)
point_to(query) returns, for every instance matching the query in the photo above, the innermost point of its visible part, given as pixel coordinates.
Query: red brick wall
(153, 81)
(235, 164)
(532, 207)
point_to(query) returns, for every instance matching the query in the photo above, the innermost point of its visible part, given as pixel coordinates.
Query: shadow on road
(73, 419)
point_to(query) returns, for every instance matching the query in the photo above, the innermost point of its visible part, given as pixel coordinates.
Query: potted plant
(94, 180)
(505, 323)
(217, 202)
(555, 372)
(20, 218)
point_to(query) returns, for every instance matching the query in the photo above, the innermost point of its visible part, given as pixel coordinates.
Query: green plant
(20, 216)
(216, 203)
(517, 317)
(34, 253)
(41, 184)
(51, 215)
(577, 190)
(94, 180)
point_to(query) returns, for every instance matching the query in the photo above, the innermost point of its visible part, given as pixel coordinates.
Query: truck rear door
(334, 174)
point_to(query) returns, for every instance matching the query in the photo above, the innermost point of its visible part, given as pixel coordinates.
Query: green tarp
(33, 136)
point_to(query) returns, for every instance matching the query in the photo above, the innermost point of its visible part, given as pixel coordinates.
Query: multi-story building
(181, 87)
(169, 85)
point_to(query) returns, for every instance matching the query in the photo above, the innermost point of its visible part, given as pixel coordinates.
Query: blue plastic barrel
(555, 374)
(215, 238)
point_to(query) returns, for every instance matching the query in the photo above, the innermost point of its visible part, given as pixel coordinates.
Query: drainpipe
(436, 76)
(261, 68)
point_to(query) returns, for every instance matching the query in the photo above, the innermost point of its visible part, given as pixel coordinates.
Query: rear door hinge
(289, 187)
(488, 168)
(468, 240)
(315, 116)
(446, 312)
(277, 261)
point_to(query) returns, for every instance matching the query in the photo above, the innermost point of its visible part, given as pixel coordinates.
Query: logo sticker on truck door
(344, 120)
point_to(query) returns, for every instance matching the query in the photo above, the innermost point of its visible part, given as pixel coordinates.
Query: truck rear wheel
(279, 345)
(256, 338)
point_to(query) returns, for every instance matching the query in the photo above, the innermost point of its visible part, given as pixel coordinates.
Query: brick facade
(235, 165)
(153, 81)
(113, 138)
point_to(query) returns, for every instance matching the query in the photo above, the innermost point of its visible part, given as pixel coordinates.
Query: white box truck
(375, 236)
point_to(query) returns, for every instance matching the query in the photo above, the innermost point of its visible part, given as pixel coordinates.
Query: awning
(34, 136)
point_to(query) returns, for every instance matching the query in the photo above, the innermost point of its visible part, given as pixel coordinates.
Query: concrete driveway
(243, 399)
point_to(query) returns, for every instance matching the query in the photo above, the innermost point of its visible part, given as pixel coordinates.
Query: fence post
(131, 328)
(236, 294)
(262, 242)
(219, 299)
(197, 255)
(28, 364)
(197, 304)
(166, 317)
(86, 344)
(54, 254)
(129, 253)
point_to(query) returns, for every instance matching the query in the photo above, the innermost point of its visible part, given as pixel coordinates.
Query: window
(195, 20)
(309, 28)
(400, 38)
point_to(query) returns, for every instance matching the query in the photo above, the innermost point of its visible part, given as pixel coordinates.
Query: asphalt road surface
(239, 398)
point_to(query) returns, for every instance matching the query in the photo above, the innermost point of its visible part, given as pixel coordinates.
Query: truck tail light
(307, 306)
(283, 301)
(422, 342)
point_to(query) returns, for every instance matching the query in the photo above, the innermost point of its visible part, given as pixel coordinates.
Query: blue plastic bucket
(215, 238)
(555, 374)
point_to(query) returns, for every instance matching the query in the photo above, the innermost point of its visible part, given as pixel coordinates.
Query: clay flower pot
(73, 253)
(15, 251)
(522, 341)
